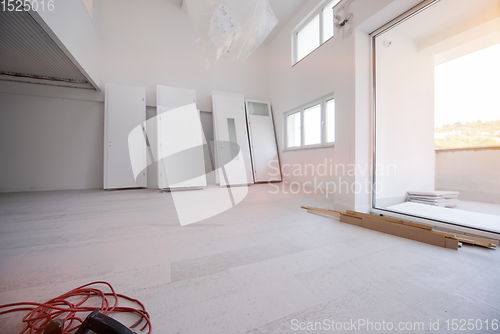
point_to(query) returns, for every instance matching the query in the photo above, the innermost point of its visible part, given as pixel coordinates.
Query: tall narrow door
(125, 111)
(263, 146)
(232, 147)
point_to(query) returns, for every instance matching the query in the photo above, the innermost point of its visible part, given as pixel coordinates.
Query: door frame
(439, 224)
(249, 128)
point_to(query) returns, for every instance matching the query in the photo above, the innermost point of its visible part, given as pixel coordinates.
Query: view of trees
(471, 134)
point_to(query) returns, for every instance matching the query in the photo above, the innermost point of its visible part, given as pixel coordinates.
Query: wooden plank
(452, 243)
(391, 220)
(361, 215)
(446, 234)
(322, 211)
(488, 243)
(325, 212)
(491, 241)
(408, 232)
(467, 240)
(438, 238)
(350, 220)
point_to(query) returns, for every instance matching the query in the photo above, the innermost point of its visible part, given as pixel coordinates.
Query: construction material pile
(405, 229)
(448, 199)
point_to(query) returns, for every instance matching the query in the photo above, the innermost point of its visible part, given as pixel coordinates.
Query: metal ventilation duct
(29, 54)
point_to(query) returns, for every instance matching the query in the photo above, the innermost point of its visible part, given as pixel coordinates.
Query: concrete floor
(265, 266)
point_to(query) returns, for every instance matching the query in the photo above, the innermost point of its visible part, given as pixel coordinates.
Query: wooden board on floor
(466, 239)
(391, 220)
(327, 212)
(405, 229)
(400, 230)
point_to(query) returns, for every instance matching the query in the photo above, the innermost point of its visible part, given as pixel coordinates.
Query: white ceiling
(29, 54)
(284, 10)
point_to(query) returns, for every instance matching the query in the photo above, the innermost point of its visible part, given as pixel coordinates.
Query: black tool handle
(99, 323)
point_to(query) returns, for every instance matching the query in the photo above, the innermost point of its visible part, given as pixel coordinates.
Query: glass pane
(308, 38)
(330, 121)
(466, 100)
(258, 109)
(328, 20)
(438, 97)
(293, 130)
(231, 126)
(312, 125)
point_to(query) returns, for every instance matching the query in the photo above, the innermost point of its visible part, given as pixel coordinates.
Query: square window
(311, 125)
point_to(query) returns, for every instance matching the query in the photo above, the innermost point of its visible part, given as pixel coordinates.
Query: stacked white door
(263, 146)
(233, 168)
(180, 139)
(125, 111)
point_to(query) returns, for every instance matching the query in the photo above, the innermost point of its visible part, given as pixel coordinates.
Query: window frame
(325, 119)
(323, 144)
(318, 10)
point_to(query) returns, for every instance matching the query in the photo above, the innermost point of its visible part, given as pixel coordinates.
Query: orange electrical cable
(42, 313)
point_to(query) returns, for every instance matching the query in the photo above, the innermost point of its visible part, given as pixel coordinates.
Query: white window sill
(312, 147)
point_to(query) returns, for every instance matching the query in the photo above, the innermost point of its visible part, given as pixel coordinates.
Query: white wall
(143, 45)
(405, 118)
(154, 44)
(50, 143)
(342, 65)
(328, 69)
(475, 173)
(147, 45)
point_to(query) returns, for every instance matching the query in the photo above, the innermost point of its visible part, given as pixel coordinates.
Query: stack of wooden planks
(401, 228)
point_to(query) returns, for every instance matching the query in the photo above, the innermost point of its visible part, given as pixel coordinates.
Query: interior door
(180, 139)
(234, 165)
(262, 142)
(125, 110)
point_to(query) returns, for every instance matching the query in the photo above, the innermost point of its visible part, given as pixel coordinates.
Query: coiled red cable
(60, 307)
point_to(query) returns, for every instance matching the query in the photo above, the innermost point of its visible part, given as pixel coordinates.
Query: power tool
(95, 323)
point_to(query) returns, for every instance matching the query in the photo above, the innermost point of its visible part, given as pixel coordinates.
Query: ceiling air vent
(29, 54)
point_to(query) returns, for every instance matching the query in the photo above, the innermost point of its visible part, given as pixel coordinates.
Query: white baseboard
(55, 188)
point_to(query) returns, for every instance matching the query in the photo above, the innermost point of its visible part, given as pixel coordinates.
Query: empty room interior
(236, 166)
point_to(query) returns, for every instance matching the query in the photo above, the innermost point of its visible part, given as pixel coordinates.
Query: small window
(330, 121)
(293, 129)
(313, 125)
(327, 14)
(308, 38)
(314, 30)
(258, 109)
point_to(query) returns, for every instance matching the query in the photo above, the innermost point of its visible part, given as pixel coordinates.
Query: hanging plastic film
(231, 29)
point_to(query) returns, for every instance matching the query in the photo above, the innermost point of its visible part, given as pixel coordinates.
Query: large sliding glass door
(437, 114)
